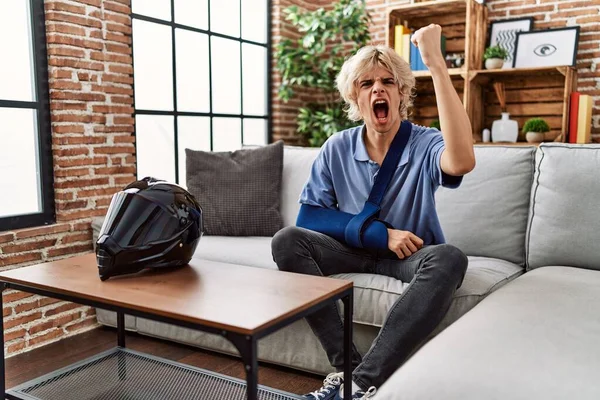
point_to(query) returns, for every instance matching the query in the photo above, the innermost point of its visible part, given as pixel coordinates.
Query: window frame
(47, 215)
(211, 115)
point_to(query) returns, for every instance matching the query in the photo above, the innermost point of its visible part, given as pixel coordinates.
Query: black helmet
(151, 223)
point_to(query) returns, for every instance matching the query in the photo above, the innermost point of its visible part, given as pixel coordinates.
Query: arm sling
(363, 230)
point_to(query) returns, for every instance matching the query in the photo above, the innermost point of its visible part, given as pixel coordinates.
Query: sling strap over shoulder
(372, 207)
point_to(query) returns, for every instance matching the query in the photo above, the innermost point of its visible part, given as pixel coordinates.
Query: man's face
(379, 100)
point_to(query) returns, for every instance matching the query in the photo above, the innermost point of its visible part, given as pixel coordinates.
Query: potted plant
(494, 57)
(314, 59)
(535, 130)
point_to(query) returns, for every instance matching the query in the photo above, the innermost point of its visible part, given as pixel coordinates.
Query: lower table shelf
(122, 374)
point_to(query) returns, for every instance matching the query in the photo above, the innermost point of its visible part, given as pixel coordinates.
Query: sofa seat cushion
(374, 294)
(536, 338)
(253, 251)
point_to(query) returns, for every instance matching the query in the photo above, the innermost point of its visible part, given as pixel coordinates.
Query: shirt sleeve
(435, 150)
(318, 189)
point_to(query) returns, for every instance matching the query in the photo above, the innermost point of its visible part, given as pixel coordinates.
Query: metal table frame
(245, 344)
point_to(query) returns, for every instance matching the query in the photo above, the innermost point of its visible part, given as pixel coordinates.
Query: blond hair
(364, 60)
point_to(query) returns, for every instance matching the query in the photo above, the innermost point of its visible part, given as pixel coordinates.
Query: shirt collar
(360, 150)
(361, 154)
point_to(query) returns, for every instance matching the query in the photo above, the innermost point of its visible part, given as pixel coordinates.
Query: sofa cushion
(240, 191)
(253, 251)
(297, 162)
(374, 294)
(535, 338)
(487, 215)
(565, 217)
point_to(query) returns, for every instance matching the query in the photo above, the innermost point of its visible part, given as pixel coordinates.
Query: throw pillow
(239, 191)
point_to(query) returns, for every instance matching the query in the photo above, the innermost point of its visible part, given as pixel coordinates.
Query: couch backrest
(564, 226)
(487, 215)
(297, 162)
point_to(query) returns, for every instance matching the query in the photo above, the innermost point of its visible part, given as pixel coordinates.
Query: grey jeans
(434, 273)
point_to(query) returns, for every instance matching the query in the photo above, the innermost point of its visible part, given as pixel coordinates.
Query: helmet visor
(132, 220)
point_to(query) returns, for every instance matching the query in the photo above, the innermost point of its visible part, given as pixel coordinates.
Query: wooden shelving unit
(530, 92)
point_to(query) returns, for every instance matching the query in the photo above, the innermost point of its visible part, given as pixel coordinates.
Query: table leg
(121, 366)
(348, 305)
(248, 348)
(120, 329)
(2, 366)
(252, 368)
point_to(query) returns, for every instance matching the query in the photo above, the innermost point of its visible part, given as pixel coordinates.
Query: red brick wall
(91, 97)
(547, 14)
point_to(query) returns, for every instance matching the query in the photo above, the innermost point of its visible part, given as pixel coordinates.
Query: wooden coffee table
(242, 304)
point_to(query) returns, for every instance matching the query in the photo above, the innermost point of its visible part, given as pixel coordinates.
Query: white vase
(505, 129)
(494, 63)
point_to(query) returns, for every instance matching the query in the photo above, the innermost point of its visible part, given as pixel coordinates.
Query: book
(416, 61)
(443, 46)
(399, 31)
(406, 47)
(584, 120)
(573, 117)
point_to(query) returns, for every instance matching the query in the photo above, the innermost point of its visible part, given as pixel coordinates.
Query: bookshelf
(530, 92)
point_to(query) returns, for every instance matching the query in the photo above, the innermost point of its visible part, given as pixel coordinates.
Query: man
(377, 86)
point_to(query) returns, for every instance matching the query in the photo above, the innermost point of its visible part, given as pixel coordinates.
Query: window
(26, 191)
(201, 80)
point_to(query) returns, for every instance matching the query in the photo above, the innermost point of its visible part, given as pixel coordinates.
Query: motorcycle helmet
(151, 223)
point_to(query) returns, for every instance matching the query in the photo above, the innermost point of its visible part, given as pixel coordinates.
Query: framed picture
(504, 34)
(547, 48)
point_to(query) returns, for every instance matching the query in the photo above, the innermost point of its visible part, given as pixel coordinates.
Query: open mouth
(381, 109)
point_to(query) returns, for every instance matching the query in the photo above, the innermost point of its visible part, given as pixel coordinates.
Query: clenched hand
(403, 243)
(428, 40)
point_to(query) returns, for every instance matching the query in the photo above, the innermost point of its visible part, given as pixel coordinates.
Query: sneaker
(329, 390)
(358, 395)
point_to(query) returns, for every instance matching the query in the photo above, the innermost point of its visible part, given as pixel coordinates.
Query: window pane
(254, 20)
(192, 13)
(193, 85)
(254, 60)
(19, 162)
(155, 146)
(153, 69)
(16, 72)
(225, 75)
(152, 8)
(227, 135)
(225, 17)
(255, 131)
(194, 133)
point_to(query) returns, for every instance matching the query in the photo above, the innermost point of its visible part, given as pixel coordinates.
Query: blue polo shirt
(342, 176)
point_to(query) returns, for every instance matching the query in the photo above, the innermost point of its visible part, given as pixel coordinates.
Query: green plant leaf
(315, 59)
(535, 125)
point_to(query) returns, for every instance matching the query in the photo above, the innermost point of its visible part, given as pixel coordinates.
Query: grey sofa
(519, 334)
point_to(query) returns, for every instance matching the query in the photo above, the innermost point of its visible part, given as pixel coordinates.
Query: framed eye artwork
(546, 48)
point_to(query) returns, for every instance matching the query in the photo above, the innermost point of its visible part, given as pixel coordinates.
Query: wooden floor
(26, 366)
